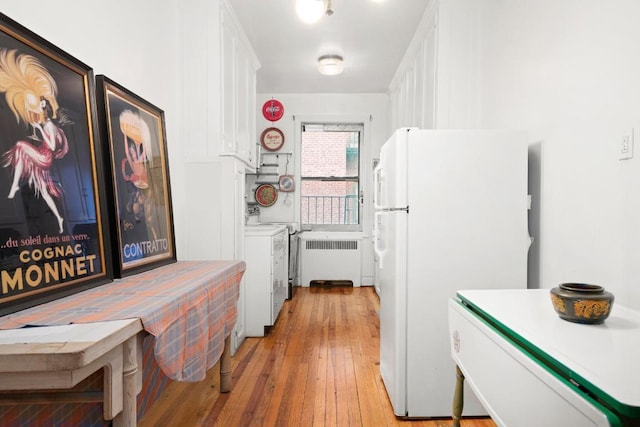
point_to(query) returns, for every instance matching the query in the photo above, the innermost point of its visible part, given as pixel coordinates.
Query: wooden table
(59, 357)
(188, 308)
(530, 368)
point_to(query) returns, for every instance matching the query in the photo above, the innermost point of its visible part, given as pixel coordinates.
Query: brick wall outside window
(329, 154)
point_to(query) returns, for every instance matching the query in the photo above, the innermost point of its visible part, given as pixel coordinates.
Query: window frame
(328, 126)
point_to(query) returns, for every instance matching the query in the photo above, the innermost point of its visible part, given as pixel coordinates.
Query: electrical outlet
(626, 146)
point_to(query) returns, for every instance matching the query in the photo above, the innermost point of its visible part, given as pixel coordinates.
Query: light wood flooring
(319, 366)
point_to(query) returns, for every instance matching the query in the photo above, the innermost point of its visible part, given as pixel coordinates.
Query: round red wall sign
(272, 139)
(273, 110)
(266, 195)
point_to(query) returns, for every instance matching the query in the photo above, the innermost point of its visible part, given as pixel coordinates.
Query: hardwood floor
(319, 366)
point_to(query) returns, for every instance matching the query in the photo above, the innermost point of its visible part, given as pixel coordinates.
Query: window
(330, 176)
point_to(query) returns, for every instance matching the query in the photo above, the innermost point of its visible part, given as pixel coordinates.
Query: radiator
(330, 256)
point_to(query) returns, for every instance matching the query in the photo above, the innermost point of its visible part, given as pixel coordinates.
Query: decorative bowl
(581, 302)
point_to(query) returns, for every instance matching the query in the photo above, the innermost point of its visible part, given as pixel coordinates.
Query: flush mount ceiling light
(310, 11)
(330, 65)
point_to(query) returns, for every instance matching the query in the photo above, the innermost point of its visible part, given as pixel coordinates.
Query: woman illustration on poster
(135, 165)
(30, 93)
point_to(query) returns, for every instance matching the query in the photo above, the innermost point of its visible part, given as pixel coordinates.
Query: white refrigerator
(451, 214)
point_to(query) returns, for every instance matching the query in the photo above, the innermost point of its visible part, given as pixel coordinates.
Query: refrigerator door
(392, 231)
(390, 176)
(467, 229)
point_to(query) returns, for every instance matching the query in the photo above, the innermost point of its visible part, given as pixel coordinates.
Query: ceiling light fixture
(330, 65)
(310, 11)
(328, 8)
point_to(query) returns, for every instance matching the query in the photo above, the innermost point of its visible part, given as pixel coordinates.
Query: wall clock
(273, 110)
(286, 183)
(266, 195)
(272, 139)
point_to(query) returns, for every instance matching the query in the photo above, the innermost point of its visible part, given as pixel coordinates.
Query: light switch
(626, 146)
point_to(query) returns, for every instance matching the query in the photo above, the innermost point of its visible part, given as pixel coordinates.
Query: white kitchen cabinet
(219, 109)
(266, 276)
(238, 75)
(436, 84)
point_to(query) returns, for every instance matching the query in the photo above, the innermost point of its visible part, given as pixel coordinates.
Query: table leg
(458, 397)
(128, 416)
(225, 366)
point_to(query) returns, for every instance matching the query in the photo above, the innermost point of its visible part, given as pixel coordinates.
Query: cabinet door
(239, 332)
(244, 105)
(280, 283)
(229, 84)
(280, 278)
(239, 67)
(253, 147)
(413, 96)
(429, 79)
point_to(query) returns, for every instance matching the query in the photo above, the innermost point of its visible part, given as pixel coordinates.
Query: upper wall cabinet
(238, 68)
(219, 84)
(435, 86)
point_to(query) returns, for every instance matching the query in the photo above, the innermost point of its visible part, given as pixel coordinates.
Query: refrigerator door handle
(378, 179)
(376, 239)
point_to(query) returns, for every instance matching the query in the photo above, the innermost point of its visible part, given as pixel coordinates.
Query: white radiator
(330, 256)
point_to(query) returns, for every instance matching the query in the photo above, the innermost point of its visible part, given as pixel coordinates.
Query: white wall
(370, 109)
(135, 44)
(566, 72)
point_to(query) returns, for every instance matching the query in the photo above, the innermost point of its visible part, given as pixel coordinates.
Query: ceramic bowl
(581, 302)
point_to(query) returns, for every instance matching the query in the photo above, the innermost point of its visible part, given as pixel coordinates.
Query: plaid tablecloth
(189, 307)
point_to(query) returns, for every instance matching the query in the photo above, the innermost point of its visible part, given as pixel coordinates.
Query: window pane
(329, 202)
(330, 154)
(330, 168)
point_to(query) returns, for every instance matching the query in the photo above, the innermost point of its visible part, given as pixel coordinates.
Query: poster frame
(112, 100)
(54, 230)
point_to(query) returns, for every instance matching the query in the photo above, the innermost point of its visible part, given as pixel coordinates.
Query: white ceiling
(371, 36)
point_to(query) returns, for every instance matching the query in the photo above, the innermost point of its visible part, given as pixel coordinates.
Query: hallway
(317, 367)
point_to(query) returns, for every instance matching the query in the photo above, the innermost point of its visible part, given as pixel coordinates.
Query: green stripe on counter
(609, 406)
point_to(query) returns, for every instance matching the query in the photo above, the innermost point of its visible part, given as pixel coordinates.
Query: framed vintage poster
(142, 216)
(53, 234)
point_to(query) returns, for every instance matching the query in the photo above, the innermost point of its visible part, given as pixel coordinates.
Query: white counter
(530, 367)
